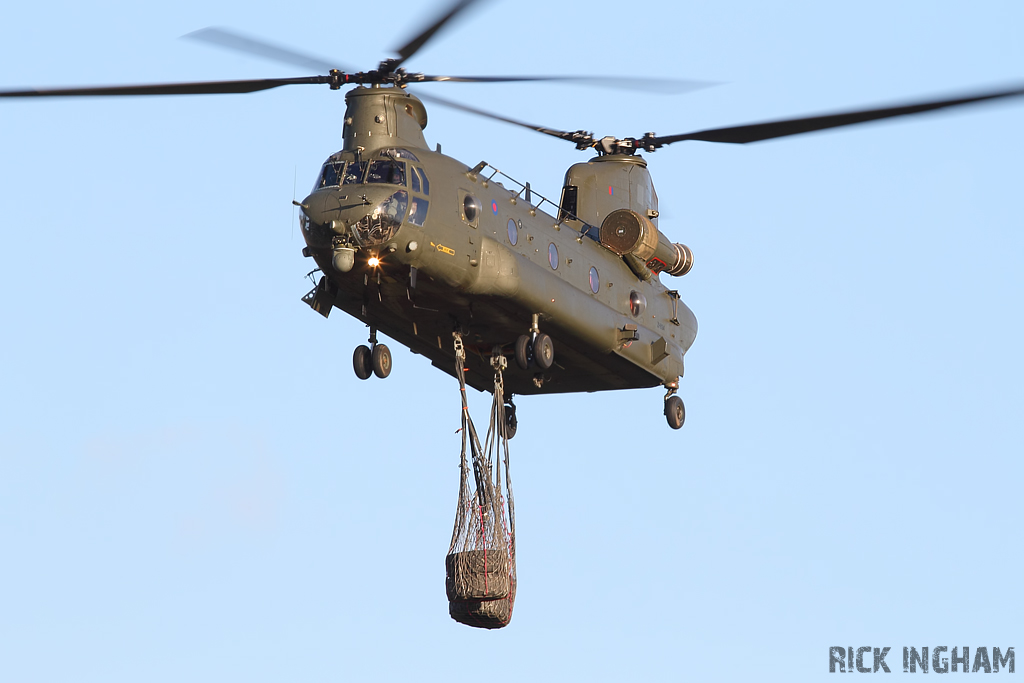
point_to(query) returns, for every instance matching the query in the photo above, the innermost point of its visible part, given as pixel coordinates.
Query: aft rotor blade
(775, 129)
(564, 135)
(200, 88)
(261, 48)
(413, 46)
(666, 86)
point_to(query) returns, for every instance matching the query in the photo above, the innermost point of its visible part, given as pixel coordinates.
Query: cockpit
(390, 169)
(397, 167)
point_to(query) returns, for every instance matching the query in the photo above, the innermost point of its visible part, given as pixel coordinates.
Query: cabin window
(637, 303)
(386, 171)
(595, 280)
(470, 208)
(513, 232)
(417, 211)
(354, 173)
(567, 209)
(553, 256)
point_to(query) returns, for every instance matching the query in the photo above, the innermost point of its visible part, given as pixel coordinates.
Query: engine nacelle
(627, 233)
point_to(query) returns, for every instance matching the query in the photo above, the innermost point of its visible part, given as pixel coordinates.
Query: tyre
(675, 412)
(543, 351)
(511, 423)
(361, 362)
(524, 352)
(381, 361)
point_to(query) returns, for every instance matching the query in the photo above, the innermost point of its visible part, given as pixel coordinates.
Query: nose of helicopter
(321, 207)
(370, 215)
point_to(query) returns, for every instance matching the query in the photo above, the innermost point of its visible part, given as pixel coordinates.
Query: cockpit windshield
(330, 174)
(386, 171)
(354, 173)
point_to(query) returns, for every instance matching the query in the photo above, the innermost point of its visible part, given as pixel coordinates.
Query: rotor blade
(260, 48)
(564, 135)
(666, 86)
(413, 46)
(775, 129)
(200, 88)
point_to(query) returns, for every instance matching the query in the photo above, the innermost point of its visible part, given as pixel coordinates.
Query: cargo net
(480, 569)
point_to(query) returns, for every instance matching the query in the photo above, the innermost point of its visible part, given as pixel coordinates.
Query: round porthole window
(513, 232)
(471, 208)
(595, 280)
(553, 256)
(637, 303)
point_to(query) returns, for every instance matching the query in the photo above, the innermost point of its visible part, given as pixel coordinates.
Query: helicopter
(417, 245)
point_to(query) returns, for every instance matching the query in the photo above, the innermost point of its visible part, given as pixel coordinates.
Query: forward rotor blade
(666, 86)
(564, 135)
(201, 88)
(261, 48)
(413, 46)
(775, 129)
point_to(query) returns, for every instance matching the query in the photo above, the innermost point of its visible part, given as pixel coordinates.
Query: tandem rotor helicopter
(416, 244)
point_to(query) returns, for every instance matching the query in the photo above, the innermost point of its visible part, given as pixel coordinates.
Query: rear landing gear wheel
(361, 362)
(511, 423)
(543, 351)
(524, 352)
(675, 412)
(381, 360)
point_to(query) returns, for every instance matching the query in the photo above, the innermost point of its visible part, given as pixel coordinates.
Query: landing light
(374, 262)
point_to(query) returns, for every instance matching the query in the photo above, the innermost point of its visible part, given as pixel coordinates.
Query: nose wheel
(524, 352)
(372, 360)
(380, 359)
(362, 362)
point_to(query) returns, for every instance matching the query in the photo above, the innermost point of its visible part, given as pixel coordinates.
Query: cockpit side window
(418, 210)
(386, 171)
(354, 173)
(423, 177)
(414, 178)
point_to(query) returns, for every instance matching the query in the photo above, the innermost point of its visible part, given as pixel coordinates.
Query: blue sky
(193, 484)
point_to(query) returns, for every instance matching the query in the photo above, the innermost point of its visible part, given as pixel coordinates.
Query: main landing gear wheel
(381, 360)
(524, 352)
(362, 363)
(543, 351)
(675, 412)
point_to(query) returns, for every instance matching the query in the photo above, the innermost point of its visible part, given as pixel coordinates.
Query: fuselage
(455, 249)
